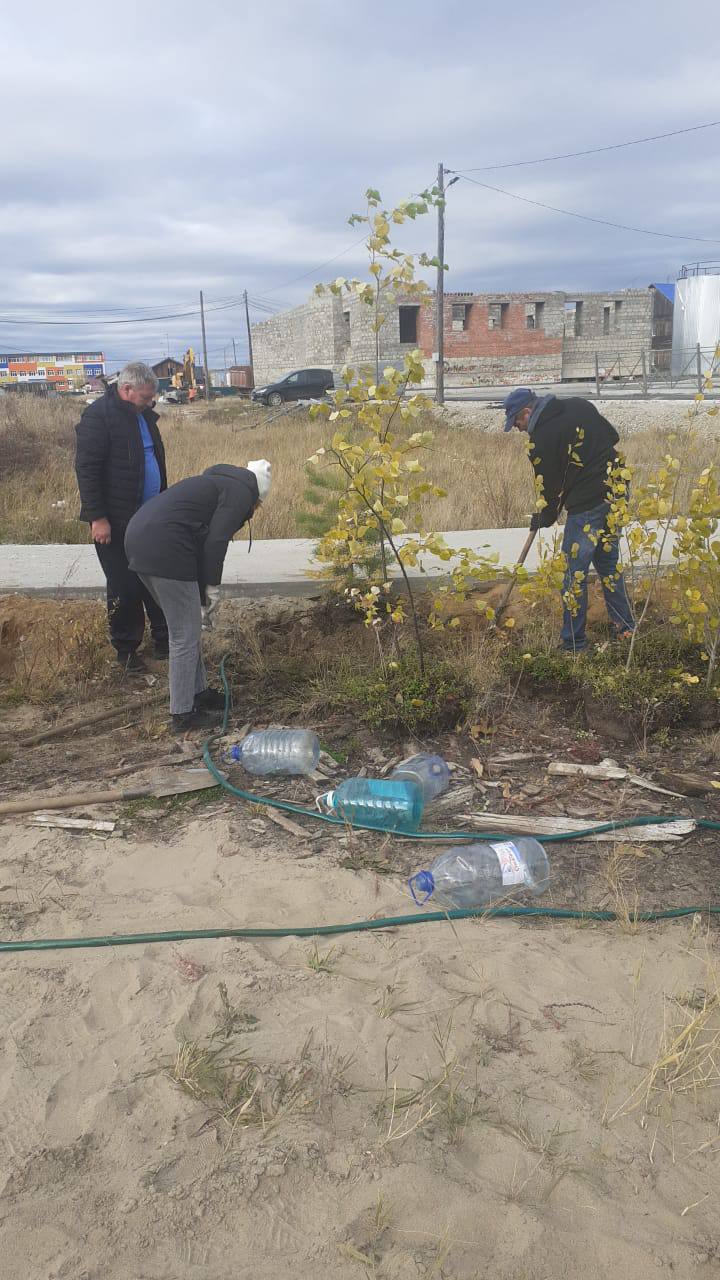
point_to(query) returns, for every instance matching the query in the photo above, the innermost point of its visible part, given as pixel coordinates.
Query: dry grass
(49, 648)
(487, 476)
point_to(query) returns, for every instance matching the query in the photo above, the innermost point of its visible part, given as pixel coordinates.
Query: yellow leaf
(509, 623)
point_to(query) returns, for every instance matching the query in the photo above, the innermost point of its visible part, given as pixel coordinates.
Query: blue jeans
(584, 545)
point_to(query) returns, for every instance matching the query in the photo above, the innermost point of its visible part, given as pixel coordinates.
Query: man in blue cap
(572, 450)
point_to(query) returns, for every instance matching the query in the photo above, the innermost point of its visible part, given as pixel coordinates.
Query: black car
(306, 384)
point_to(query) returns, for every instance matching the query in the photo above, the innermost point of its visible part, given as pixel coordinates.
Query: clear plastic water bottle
(474, 875)
(376, 802)
(289, 751)
(430, 772)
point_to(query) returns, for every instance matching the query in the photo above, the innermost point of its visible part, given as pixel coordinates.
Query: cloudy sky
(151, 150)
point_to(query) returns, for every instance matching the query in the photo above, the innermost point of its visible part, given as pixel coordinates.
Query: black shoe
(132, 664)
(195, 720)
(210, 700)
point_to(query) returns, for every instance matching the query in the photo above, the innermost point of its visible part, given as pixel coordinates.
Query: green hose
(384, 922)
(355, 926)
(642, 820)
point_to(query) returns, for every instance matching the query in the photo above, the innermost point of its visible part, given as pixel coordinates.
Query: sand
(531, 1151)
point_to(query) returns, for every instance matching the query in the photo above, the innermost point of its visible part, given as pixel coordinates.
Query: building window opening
(606, 321)
(408, 324)
(460, 315)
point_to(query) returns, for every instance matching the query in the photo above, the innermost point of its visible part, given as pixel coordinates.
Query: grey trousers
(180, 602)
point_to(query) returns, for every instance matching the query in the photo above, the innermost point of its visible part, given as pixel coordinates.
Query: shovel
(511, 584)
(171, 783)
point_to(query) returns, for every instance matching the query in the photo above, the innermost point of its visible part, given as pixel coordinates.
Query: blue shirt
(152, 482)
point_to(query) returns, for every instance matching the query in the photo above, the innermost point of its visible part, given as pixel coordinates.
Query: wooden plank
(540, 825)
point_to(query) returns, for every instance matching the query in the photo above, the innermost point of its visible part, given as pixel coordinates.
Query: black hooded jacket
(110, 459)
(570, 449)
(184, 532)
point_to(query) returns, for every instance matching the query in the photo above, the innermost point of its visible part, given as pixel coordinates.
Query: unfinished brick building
(490, 338)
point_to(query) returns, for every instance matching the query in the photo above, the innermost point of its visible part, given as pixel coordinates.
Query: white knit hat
(262, 470)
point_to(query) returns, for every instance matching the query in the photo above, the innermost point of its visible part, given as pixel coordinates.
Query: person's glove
(212, 598)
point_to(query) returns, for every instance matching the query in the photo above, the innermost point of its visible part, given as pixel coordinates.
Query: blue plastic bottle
(430, 772)
(377, 802)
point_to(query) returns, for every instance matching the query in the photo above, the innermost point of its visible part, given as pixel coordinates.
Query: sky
(152, 150)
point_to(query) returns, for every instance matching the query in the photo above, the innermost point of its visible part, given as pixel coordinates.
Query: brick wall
(501, 339)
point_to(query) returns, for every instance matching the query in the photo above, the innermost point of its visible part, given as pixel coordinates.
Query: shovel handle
(33, 804)
(520, 561)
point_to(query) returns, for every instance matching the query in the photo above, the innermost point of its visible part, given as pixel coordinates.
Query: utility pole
(208, 390)
(440, 294)
(234, 352)
(249, 336)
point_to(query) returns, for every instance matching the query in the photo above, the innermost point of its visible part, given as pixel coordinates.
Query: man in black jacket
(572, 450)
(177, 544)
(120, 464)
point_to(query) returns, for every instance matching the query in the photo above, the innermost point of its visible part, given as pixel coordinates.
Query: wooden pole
(597, 375)
(234, 352)
(644, 373)
(440, 294)
(208, 389)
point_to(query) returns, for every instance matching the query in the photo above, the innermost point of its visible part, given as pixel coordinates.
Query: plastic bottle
(430, 772)
(289, 751)
(377, 802)
(474, 875)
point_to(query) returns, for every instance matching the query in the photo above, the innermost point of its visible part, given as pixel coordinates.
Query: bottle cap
(424, 883)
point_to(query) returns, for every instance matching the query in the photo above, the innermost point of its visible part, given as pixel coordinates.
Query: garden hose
(642, 820)
(383, 922)
(355, 926)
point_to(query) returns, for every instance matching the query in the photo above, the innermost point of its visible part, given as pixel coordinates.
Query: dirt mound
(50, 645)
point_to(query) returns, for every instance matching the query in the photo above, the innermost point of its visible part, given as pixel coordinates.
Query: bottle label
(512, 867)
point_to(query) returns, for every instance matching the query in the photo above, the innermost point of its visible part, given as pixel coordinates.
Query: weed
(321, 963)
(619, 871)
(389, 1003)
(400, 696)
(232, 1019)
(369, 1236)
(236, 1092)
(449, 1098)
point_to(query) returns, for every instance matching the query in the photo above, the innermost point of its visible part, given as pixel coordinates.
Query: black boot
(195, 719)
(210, 700)
(132, 664)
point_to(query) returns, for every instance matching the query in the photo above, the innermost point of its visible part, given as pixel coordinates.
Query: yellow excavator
(184, 386)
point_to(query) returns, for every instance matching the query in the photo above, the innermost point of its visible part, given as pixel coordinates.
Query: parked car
(305, 384)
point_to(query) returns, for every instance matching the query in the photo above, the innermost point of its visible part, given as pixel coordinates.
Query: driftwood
(74, 824)
(539, 825)
(687, 784)
(606, 770)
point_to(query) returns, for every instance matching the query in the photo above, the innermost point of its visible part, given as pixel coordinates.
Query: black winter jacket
(110, 459)
(184, 532)
(570, 448)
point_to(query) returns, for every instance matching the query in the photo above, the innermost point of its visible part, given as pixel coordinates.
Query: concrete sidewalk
(281, 567)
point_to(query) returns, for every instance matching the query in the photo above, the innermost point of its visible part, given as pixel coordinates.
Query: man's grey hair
(137, 374)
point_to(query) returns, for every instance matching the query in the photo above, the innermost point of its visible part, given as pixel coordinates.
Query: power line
(312, 270)
(584, 217)
(157, 319)
(591, 151)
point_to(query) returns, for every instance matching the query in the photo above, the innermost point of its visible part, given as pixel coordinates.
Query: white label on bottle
(512, 868)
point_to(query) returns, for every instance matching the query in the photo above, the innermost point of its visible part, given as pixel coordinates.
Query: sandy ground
(436, 1101)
